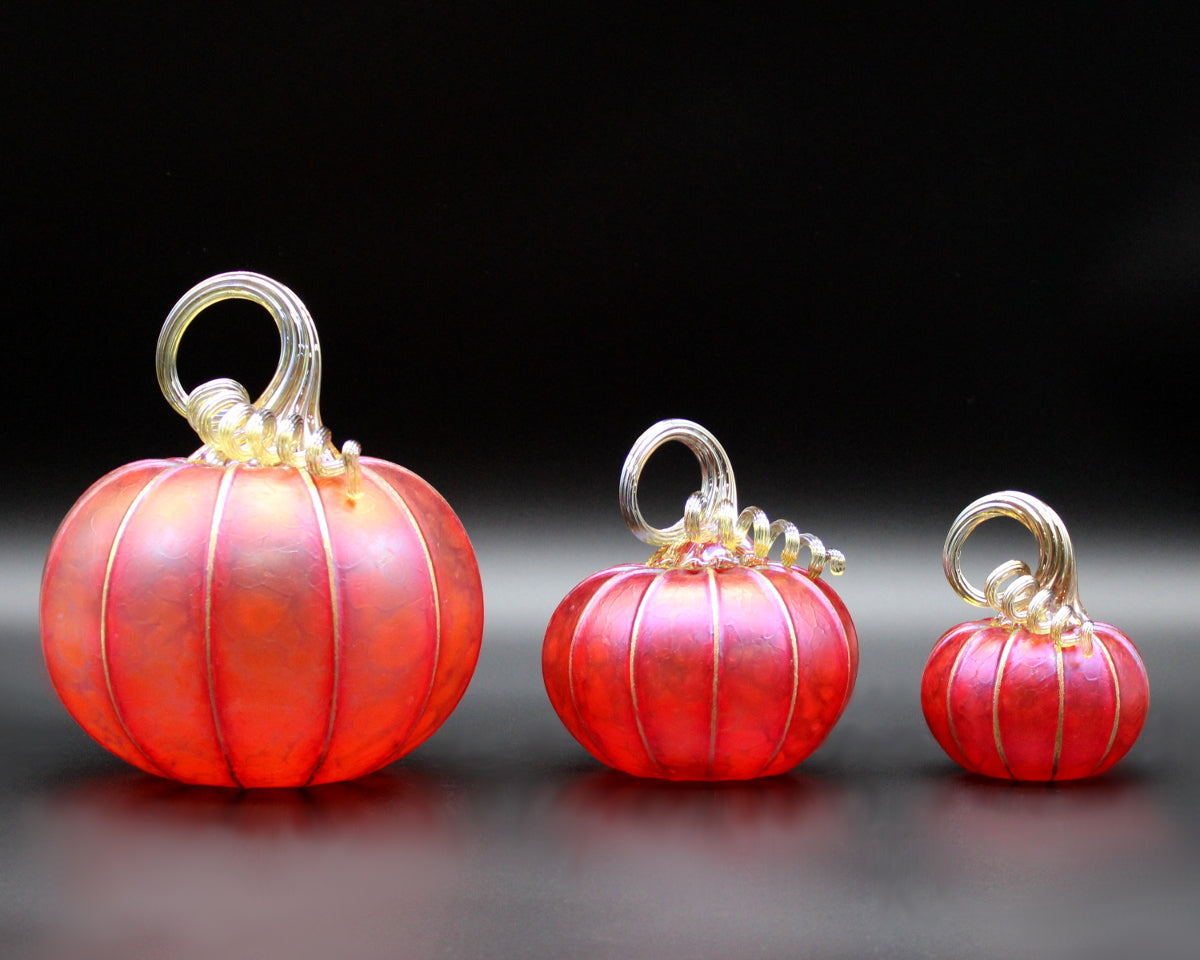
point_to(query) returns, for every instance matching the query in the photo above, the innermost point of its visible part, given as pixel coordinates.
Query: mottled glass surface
(248, 626)
(1009, 703)
(713, 674)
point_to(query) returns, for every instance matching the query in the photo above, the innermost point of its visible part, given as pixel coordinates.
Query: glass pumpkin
(710, 661)
(1040, 692)
(270, 611)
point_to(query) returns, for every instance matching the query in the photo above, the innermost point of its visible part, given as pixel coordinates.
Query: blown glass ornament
(1039, 692)
(270, 611)
(710, 661)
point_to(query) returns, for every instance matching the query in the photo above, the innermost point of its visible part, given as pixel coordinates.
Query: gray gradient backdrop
(893, 262)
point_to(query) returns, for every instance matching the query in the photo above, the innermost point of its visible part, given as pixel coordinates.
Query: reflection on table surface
(141, 867)
(593, 863)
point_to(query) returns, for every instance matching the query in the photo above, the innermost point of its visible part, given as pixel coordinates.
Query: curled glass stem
(281, 427)
(711, 514)
(1045, 601)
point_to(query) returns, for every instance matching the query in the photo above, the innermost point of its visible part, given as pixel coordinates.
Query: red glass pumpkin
(1040, 692)
(709, 662)
(269, 612)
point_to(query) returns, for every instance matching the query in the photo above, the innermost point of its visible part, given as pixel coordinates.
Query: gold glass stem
(716, 478)
(1045, 601)
(283, 426)
(711, 514)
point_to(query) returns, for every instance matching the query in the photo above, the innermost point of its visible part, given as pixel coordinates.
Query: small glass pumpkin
(1039, 692)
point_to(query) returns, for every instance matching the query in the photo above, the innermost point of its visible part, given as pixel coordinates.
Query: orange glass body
(253, 626)
(721, 673)
(1009, 703)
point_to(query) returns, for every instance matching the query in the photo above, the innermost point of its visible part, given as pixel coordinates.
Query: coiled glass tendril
(282, 427)
(711, 516)
(1045, 602)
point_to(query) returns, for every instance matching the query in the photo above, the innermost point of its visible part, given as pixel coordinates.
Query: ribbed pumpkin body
(710, 674)
(1012, 704)
(253, 626)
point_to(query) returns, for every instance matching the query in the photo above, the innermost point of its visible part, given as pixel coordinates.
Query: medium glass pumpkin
(709, 661)
(270, 611)
(1040, 692)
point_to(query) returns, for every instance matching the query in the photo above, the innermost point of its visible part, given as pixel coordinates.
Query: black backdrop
(889, 259)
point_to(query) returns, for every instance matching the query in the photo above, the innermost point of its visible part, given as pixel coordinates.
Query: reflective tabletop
(501, 838)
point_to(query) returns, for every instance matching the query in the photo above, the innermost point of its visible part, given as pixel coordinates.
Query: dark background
(880, 254)
(894, 261)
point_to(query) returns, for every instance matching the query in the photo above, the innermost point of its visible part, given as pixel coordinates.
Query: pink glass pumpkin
(1040, 692)
(709, 661)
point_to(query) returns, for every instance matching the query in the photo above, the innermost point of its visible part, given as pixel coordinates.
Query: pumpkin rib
(795, 651)
(851, 668)
(967, 700)
(846, 625)
(209, 570)
(825, 600)
(81, 642)
(1005, 650)
(953, 676)
(460, 608)
(1062, 710)
(118, 536)
(335, 617)
(584, 727)
(394, 496)
(639, 610)
(715, 601)
(1112, 672)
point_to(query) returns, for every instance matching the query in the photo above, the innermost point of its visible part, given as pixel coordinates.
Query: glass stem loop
(716, 480)
(283, 426)
(1043, 602)
(711, 515)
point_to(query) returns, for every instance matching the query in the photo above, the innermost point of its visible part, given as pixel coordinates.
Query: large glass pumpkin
(270, 611)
